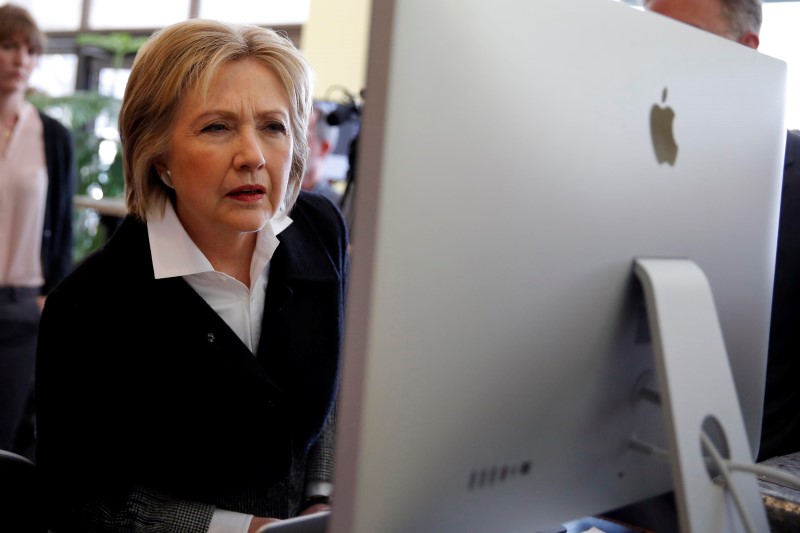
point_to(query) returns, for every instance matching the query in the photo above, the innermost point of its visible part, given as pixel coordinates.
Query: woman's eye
(211, 128)
(277, 127)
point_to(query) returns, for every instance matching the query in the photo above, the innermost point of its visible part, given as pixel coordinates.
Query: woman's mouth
(248, 193)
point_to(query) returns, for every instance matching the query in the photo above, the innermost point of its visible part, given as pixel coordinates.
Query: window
(105, 15)
(780, 38)
(55, 74)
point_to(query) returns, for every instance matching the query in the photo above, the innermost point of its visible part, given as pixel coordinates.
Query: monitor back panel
(507, 178)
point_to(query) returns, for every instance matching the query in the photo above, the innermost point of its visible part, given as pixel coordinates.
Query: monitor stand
(697, 393)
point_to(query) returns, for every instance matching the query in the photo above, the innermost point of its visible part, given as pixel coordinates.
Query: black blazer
(780, 433)
(141, 384)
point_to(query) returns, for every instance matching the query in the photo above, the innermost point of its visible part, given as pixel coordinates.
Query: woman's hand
(258, 522)
(316, 508)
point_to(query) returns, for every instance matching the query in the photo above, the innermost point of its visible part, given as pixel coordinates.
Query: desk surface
(783, 503)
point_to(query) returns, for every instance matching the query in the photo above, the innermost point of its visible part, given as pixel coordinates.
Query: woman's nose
(250, 154)
(23, 55)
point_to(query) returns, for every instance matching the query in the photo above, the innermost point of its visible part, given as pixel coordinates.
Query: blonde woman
(200, 399)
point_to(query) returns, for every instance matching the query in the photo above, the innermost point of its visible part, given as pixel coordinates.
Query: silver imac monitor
(515, 157)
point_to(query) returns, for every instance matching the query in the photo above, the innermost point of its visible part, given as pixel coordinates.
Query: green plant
(119, 44)
(97, 177)
(97, 150)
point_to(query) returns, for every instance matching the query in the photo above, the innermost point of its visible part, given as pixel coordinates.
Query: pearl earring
(166, 177)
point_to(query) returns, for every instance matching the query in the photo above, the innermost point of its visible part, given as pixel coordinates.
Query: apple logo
(661, 119)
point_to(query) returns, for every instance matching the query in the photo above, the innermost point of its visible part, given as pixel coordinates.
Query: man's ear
(750, 39)
(325, 148)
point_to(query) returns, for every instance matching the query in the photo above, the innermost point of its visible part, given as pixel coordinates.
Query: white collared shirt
(174, 254)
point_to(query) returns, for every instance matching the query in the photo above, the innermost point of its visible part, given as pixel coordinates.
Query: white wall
(335, 41)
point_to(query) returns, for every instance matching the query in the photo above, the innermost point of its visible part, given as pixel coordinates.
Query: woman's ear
(164, 173)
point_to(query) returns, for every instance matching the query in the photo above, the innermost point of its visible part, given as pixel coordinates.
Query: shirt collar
(175, 254)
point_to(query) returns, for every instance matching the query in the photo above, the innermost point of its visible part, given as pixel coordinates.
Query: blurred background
(81, 77)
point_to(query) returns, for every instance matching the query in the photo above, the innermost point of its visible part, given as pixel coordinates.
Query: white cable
(725, 467)
(771, 473)
(645, 447)
(722, 465)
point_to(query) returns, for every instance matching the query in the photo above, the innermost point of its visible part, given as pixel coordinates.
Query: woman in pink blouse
(37, 182)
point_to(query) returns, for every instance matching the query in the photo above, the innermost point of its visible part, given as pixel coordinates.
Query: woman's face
(231, 153)
(16, 64)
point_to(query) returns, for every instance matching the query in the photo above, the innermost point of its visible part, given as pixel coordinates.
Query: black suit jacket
(780, 434)
(141, 385)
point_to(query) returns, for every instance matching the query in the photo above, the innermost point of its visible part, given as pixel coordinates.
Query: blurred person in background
(37, 182)
(322, 138)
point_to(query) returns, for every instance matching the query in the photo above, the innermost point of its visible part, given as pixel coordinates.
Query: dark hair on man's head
(743, 15)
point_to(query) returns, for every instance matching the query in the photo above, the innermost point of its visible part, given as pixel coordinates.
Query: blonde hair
(16, 20)
(183, 57)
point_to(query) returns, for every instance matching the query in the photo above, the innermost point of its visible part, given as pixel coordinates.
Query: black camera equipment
(348, 115)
